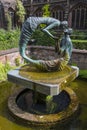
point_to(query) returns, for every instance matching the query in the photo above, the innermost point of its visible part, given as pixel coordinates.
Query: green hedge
(80, 35)
(4, 68)
(9, 39)
(80, 44)
(43, 39)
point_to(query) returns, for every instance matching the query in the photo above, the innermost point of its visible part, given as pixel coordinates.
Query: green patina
(64, 48)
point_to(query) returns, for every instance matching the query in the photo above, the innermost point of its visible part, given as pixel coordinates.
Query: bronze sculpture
(30, 25)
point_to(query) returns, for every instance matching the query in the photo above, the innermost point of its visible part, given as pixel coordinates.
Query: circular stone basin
(20, 106)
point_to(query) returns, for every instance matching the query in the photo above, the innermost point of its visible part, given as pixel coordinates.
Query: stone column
(70, 19)
(75, 18)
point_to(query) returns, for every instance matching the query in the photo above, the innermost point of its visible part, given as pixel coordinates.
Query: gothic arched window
(79, 17)
(58, 13)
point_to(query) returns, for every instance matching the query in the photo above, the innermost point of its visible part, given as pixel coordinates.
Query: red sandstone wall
(9, 56)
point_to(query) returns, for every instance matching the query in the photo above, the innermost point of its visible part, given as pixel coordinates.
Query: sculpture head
(64, 24)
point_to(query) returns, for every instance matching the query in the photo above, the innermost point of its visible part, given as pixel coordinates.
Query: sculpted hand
(47, 32)
(55, 38)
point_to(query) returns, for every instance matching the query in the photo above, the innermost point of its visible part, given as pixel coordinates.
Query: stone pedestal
(60, 101)
(48, 83)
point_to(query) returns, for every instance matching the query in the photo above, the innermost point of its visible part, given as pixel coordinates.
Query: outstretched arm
(54, 24)
(51, 35)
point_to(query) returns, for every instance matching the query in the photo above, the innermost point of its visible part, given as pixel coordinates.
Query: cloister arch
(58, 12)
(78, 16)
(38, 12)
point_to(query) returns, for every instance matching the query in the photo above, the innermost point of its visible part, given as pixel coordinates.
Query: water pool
(7, 122)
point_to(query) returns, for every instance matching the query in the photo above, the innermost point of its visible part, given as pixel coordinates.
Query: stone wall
(79, 57)
(10, 56)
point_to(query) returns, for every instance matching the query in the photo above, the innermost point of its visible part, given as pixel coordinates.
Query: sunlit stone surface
(49, 83)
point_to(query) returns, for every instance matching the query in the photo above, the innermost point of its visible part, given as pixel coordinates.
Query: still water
(7, 122)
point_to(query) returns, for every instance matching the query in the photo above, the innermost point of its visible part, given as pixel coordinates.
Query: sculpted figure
(65, 48)
(65, 51)
(30, 25)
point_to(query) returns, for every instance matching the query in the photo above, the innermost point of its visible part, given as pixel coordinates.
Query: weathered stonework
(45, 84)
(55, 83)
(10, 56)
(43, 120)
(79, 58)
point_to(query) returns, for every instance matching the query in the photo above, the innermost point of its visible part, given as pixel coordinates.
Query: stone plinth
(51, 83)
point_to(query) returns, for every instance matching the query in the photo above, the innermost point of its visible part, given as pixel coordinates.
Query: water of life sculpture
(44, 98)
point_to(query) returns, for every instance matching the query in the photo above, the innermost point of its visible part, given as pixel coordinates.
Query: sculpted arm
(57, 23)
(52, 25)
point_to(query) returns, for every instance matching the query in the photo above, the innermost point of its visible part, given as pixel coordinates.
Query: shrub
(43, 39)
(20, 11)
(17, 61)
(9, 39)
(80, 44)
(80, 35)
(3, 70)
(46, 10)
